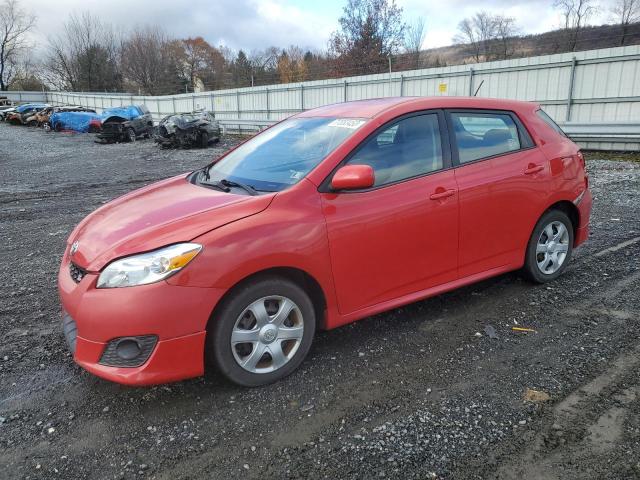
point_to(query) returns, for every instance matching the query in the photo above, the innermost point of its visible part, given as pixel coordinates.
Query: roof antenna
(479, 87)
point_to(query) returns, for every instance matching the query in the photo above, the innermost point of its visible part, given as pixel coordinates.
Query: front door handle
(441, 193)
(533, 168)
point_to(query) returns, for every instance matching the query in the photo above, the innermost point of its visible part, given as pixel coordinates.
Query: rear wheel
(131, 134)
(262, 332)
(550, 247)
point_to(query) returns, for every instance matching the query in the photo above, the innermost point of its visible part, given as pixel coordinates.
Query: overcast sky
(256, 24)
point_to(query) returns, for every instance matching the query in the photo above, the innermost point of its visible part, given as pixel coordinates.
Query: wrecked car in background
(81, 122)
(125, 124)
(22, 112)
(41, 118)
(188, 130)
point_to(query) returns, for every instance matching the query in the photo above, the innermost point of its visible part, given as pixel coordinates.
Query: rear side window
(549, 121)
(406, 149)
(481, 135)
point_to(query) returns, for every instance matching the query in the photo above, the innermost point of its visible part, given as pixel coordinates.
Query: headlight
(148, 267)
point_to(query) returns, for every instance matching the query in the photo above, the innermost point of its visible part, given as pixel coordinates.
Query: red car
(330, 216)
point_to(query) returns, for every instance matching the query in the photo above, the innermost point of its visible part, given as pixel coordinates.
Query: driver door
(400, 236)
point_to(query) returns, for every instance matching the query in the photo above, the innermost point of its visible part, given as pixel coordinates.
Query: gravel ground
(425, 391)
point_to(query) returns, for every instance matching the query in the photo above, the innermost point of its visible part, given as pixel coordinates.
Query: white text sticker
(351, 123)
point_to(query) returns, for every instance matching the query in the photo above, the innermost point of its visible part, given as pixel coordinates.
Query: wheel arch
(570, 210)
(296, 275)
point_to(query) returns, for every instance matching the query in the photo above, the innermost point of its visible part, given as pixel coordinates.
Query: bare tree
(626, 12)
(146, 62)
(84, 56)
(477, 32)
(15, 23)
(413, 40)
(505, 33)
(575, 15)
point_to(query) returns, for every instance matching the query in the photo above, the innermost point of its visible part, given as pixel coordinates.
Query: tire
(204, 139)
(235, 316)
(131, 135)
(32, 123)
(547, 258)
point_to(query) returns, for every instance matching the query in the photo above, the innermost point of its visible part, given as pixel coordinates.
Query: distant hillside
(557, 41)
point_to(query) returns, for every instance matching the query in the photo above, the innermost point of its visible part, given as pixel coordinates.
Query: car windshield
(284, 154)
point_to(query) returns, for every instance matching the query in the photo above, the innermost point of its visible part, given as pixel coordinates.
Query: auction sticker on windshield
(351, 123)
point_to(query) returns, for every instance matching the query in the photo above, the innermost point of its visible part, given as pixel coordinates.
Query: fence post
(238, 103)
(402, 85)
(471, 92)
(173, 102)
(268, 108)
(193, 103)
(345, 92)
(158, 107)
(572, 78)
(302, 96)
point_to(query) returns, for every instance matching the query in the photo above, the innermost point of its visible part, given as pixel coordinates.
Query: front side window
(408, 148)
(284, 154)
(481, 135)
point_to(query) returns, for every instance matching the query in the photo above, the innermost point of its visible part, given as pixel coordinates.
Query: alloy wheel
(552, 247)
(267, 334)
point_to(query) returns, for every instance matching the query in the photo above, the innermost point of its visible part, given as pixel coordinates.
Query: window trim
(447, 164)
(523, 133)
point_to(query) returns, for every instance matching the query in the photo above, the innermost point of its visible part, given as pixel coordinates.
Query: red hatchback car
(330, 216)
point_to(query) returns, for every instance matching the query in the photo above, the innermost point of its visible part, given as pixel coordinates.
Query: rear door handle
(440, 194)
(531, 169)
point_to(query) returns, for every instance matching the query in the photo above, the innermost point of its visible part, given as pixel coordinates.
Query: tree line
(88, 54)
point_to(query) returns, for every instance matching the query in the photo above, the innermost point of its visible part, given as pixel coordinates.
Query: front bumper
(176, 316)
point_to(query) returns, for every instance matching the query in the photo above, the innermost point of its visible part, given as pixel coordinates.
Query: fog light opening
(128, 348)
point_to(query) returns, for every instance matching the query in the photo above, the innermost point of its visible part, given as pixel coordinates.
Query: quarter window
(406, 149)
(549, 121)
(481, 135)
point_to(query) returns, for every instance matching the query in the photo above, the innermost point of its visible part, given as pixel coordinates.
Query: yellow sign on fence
(442, 87)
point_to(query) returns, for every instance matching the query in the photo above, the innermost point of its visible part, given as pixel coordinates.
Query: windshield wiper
(248, 188)
(219, 185)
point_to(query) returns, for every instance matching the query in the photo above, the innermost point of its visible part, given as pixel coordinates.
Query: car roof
(377, 106)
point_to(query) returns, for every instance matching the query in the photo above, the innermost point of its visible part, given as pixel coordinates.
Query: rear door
(503, 182)
(400, 236)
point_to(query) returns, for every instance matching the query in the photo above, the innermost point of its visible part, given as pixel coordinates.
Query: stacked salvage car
(186, 130)
(125, 124)
(118, 124)
(42, 118)
(18, 115)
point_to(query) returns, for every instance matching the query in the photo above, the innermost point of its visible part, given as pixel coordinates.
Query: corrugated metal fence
(596, 88)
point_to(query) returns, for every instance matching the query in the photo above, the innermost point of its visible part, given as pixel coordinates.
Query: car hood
(170, 211)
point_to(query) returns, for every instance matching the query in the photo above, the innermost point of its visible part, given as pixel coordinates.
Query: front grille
(70, 331)
(77, 273)
(111, 357)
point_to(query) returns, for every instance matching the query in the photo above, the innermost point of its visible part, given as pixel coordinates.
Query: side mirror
(353, 177)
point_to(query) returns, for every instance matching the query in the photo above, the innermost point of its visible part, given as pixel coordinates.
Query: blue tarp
(27, 106)
(79, 121)
(76, 121)
(128, 113)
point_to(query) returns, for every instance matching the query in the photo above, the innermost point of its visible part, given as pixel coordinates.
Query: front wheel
(204, 140)
(131, 134)
(550, 247)
(262, 332)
